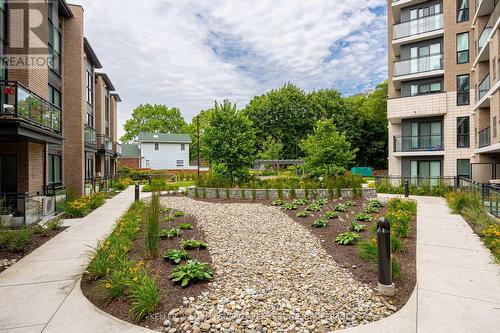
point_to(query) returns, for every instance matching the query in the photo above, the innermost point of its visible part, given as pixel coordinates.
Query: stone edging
(273, 194)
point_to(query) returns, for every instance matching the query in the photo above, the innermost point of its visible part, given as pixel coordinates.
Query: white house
(165, 151)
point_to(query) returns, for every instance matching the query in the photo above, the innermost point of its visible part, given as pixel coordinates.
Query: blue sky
(189, 53)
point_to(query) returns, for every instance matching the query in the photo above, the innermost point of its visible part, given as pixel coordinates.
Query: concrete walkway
(34, 289)
(458, 288)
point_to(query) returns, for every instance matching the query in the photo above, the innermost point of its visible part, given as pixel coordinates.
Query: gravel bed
(272, 275)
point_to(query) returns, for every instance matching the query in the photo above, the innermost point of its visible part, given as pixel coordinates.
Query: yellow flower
(108, 285)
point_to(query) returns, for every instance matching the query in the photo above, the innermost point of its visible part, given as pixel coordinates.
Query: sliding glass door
(425, 172)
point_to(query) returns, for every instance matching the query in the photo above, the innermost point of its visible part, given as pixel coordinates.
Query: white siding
(165, 157)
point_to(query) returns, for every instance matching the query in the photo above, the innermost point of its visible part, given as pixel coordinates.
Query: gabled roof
(106, 79)
(164, 137)
(131, 150)
(91, 54)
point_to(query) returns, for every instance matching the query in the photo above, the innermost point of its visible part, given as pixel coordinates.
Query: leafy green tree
(285, 114)
(153, 118)
(229, 139)
(192, 130)
(271, 149)
(327, 151)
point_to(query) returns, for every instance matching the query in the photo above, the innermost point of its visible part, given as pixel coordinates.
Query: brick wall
(131, 163)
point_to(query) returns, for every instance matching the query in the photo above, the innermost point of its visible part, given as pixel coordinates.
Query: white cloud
(189, 53)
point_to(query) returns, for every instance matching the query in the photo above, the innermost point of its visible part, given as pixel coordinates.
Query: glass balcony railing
(118, 148)
(418, 26)
(418, 65)
(488, 27)
(90, 136)
(414, 143)
(104, 143)
(18, 101)
(484, 137)
(484, 87)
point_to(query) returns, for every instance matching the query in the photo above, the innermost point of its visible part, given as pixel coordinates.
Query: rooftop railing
(18, 101)
(418, 26)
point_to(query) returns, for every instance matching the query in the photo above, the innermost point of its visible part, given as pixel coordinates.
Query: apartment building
(430, 96)
(47, 85)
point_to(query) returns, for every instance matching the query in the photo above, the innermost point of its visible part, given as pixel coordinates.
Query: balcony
(19, 102)
(484, 137)
(483, 45)
(416, 106)
(418, 27)
(421, 144)
(90, 136)
(484, 7)
(104, 144)
(118, 149)
(419, 67)
(484, 87)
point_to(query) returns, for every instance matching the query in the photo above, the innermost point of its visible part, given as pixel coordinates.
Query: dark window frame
(463, 96)
(157, 146)
(461, 52)
(462, 160)
(463, 137)
(52, 160)
(464, 10)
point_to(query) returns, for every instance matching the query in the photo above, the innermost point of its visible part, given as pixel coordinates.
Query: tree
(271, 149)
(285, 114)
(327, 151)
(229, 139)
(153, 118)
(192, 130)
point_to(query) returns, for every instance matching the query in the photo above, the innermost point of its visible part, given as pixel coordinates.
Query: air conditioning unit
(48, 205)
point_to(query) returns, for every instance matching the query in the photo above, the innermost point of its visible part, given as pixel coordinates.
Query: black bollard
(407, 188)
(150, 180)
(137, 191)
(385, 285)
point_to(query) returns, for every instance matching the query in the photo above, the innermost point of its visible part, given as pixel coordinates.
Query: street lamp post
(198, 143)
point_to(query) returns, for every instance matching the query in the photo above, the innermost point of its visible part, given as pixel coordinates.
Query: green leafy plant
(164, 210)
(368, 250)
(331, 215)
(321, 201)
(143, 295)
(179, 213)
(370, 210)
(15, 241)
(349, 203)
(193, 244)
(300, 202)
(347, 238)
(303, 214)
(375, 203)
(396, 268)
(176, 256)
(192, 271)
(153, 225)
(289, 206)
(170, 233)
(313, 208)
(357, 227)
(396, 244)
(320, 224)
(169, 218)
(278, 202)
(340, 208)
(363, 217)
(185, 226)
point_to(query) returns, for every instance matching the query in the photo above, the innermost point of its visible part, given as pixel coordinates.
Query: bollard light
(407, 188)
(137, 192)
(385, 285)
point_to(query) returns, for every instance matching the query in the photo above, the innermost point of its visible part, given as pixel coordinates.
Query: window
(90, 94)
(425, 172)
(148, 163)
(54, 166)
(106, 115)
(54, 46)
(89, 167)
(463, 48)
(180, 163)
(462, 10)
(463, 132)
(463, 89)
(425, 88)
(463, 168)
(427, 136)
(183, 146)
(157, 146)
(54, 96)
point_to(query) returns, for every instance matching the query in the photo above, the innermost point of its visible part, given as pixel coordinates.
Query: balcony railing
(488, 27)
(118, 148)
(419, 65)
(90, 136)
(18, 101)
(484, 87)
(484, 137)
(414, 143)
(418, 26)
(104, 143)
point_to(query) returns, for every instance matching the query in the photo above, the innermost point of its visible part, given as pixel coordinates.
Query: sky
(189, 53)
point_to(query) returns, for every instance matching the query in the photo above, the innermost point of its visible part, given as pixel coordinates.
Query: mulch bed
(347, 256)
(171, 295)
(37, 241)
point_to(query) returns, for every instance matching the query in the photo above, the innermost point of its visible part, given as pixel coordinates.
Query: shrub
(402, 204)
(331, 215)
(119, 278)
(363, 217)
(185, 226)
(193, 244)
(458, 201)
(492, 239)
(303, 214)
(176, 256)
(153, 225)
(192, 271)
(347, 238)
(15, 241)
(170, 233)
(143, 295)
(357, 227)
(97, 200)
(319, 224)
(368, 250)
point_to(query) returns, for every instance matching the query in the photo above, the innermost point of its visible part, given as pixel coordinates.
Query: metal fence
(397, 181)
(490, 194)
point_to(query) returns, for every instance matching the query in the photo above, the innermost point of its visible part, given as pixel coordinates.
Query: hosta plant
(169, 218)
(303, 214)
(190, 272)
(357, 227)
(349, 203)
(320, 224)
(278, 202)
(313, 208)
(179, 213)
(331, 215)
(363, 217)
(347, 238)
(170, 233)
(289, 206)
(375, 203)
(300, 202)
(165, 210)
(193, 244)
(370, 209)
(321, 201)
(185, 226)
(176, 256)
(340, 208)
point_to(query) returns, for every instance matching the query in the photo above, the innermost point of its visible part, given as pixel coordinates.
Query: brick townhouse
(58, 117)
